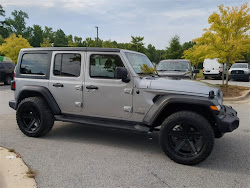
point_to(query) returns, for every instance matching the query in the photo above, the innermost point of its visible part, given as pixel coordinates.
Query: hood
(173, 73)
(183, 86)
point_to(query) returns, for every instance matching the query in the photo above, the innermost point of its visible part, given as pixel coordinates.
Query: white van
(212, 68)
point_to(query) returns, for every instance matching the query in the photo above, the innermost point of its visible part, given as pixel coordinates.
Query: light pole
(97, 35)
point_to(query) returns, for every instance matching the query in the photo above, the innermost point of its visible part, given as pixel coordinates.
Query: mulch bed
(233, 91)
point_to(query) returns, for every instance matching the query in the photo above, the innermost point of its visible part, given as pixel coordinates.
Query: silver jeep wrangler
(107, 87)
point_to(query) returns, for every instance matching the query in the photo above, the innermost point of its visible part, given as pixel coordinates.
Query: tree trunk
(223, 72)
(227, 77)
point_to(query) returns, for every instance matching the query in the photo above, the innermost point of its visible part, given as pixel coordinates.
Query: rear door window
(35, 64)
(67, 65)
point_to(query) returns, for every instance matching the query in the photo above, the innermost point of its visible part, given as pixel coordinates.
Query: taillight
(13, 85)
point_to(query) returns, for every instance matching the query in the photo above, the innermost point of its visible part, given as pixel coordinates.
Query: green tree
(137, 44)
(109, 44)
(78, 41)
(17, 24)
(2, 12)
(46, 43)
(152, 53)
(60, 39)
(48, 34)
(3, 30)
(187, 45)
(13, 45)
(227, 38)
(37, 36)
(174, 51)
(89, 42)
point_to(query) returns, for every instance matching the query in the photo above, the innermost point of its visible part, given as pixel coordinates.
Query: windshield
(173, 66)
(239, 65)
(139, 61)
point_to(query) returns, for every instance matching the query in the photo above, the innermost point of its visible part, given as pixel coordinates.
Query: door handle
(91, 87)
(58, 85)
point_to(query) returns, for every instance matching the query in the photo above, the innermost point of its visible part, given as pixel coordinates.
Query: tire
(34, 117)
(205, 77)
(7, 80)
(186, 137)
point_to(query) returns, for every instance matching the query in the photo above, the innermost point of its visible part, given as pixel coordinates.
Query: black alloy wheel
(34, 117)
(30, 117)
(186, 140)
(186, 137)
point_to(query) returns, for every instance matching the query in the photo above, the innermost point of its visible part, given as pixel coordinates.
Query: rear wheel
(34, 117)
(186, 137)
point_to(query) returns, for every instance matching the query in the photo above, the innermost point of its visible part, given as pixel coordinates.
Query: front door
(66, 80)
(104, 95)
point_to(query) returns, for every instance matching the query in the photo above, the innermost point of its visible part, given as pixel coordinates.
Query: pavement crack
(162, 181)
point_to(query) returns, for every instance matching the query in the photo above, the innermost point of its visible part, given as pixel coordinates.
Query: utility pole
(97, 35)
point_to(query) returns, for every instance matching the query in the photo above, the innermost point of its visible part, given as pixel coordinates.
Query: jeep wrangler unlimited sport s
(107, 87)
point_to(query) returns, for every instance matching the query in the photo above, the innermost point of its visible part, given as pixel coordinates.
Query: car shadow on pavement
(228, 155)
(73, 132)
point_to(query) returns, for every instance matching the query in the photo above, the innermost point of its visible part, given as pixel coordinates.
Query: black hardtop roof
(72, 49)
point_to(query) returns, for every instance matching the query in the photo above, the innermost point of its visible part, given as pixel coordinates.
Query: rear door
(66, 80)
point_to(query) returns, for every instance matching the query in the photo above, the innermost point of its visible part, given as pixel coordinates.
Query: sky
(155, 20)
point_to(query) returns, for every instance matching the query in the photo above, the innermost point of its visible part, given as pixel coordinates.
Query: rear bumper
(228, 121)
(213, 75)
(12, 104)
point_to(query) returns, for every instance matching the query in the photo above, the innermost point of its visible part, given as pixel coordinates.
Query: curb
(242, 97)
(14, 171)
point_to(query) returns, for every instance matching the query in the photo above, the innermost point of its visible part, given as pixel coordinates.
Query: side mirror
(122, 73)
(196, 71)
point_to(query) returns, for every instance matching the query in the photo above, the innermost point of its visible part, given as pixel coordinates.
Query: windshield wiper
(148, 74)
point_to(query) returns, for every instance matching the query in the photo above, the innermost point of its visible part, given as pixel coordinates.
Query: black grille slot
(237, 72)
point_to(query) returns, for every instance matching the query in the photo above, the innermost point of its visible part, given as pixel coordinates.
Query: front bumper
(228, 120)
(239, 76)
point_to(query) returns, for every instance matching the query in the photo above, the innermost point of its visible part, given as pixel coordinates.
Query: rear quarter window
(35, 64)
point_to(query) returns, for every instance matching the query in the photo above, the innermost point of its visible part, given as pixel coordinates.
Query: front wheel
(186, 137)
(34, 117)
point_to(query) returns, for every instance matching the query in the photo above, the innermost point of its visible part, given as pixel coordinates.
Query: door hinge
(79, 87)
(127, 109)
(128, 91)
(78, 104)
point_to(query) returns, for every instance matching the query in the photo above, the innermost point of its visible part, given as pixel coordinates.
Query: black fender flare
(32, 91)
(163, 101)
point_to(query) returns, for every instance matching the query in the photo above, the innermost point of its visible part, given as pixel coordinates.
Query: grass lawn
(200, 75)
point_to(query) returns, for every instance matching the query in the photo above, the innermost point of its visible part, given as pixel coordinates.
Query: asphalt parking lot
(75, 155)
